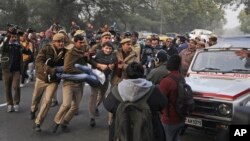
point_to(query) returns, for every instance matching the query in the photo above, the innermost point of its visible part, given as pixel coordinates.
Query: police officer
(49, 60)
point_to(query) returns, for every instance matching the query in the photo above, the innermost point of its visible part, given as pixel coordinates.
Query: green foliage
(151, 15)
(12, 11)
(245, 21)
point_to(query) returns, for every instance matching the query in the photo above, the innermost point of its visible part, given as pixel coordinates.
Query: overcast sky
(231, 16)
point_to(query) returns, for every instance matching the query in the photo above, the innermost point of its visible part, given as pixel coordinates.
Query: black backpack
(133, 120)
(185, 102)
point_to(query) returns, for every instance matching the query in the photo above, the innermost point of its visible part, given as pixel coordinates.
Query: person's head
(200, 45)
(23, 37)
(49, 34)
(107, 48)
(126, 45)
(134, 70)
(105, 37)
(41, 34)
(80, 42)
(58, 41)
(198, 38)
(174, 63)
(80, 32)
(182, 39)
(148, 42)
(66, 38)
(73, 22)
(56, 21)
(155, 41)
(134, 37)
(161, 57)
(192, 44)
(89, 25)
(98, 38)
(169, 42)
(126, 34)
(212, 40)
(13, 38)
(106, 26)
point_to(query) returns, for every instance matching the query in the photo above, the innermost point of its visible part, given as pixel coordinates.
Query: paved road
(18, 127)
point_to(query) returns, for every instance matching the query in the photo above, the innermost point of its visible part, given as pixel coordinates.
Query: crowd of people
(131, 70)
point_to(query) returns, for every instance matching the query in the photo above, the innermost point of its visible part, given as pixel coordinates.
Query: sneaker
(65, 128)
(37, 128)
(54, 103)
(16, 108)
(32, 115)
(9, 108)
(97, 112)
(54, 127)
(22, 85)
(92, 122)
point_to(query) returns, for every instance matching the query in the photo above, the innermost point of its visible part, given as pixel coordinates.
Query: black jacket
(171, 51)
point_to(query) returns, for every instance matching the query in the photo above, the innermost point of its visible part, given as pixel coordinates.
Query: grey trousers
(12, 81)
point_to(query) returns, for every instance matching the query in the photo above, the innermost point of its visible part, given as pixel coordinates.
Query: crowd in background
(49, 56)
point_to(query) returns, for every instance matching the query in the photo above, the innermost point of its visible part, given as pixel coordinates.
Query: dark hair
(162, 56)
(193, 40)
(109, 44)
(78, 37)
(134, 70)
(213, 38)
(174, 63)
(127, 34)
(136, 34)
(182, 39)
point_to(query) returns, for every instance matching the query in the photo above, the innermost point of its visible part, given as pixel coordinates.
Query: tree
(151, 15)
(244, 21)
(187, 15)
(14, 12)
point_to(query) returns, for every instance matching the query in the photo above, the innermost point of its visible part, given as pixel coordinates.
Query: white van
(202, 33)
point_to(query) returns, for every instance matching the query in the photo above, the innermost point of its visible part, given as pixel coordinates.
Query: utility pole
(161, 21)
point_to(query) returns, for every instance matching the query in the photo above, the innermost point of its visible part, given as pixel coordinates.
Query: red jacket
(169, 88)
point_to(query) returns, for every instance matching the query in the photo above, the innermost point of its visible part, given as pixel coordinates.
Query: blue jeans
(173, 131)
(88, 76)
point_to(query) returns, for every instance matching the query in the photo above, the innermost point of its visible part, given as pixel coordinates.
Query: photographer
(11, 61)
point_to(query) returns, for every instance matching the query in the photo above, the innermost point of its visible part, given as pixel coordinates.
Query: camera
(30, 30)
(13, 29)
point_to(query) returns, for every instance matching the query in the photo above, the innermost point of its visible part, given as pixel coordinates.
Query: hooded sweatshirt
(133, 89)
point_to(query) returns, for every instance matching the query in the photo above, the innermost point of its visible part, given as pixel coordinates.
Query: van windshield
(220, 61)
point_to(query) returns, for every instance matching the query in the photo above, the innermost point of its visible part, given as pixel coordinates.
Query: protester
(187, 56)
(132, 89)
(160, 70)
(171, 121)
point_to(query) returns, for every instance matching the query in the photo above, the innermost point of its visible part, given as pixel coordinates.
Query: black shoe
(97, 112)
(92, 122)
(54, 103)
(32, 115)
(54, 127)
(65, 128)
(37, 128)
